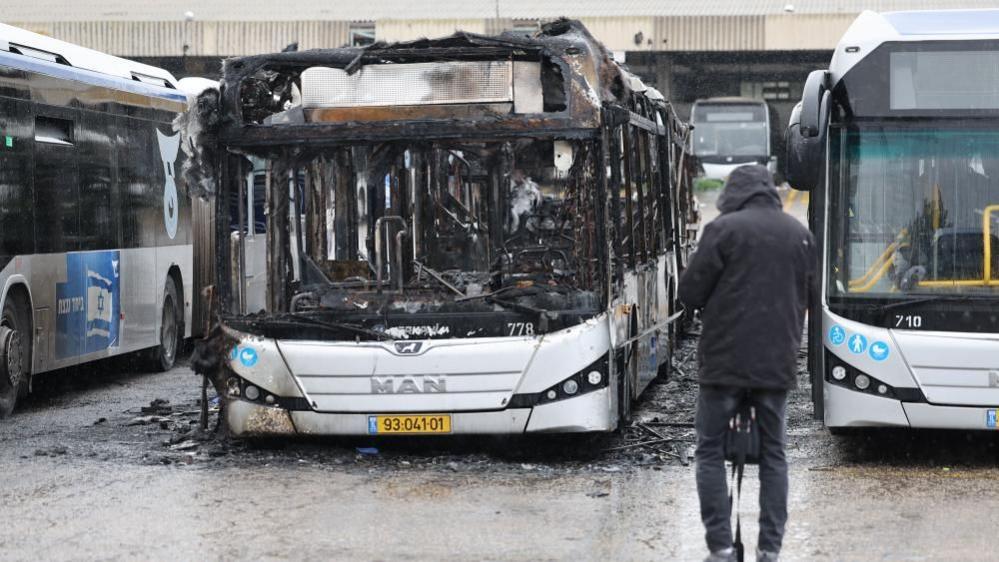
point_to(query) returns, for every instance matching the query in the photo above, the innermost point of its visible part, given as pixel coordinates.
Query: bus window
(99, 216)
(730, 130)
(16, 201)
(57, 219)
(50, 130)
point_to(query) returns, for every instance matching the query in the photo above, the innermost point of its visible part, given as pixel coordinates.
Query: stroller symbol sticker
(879, 351)
(246, 355)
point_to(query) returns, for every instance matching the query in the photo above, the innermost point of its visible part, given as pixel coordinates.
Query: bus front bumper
(590, 412)
(846, 408)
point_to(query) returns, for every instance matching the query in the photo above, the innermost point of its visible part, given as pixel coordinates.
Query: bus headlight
(570, 387)
(844, 375)
(592, 378)
(862, 382)
(251, 392)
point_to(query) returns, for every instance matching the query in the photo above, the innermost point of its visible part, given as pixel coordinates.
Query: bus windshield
(475, 216)
(914, 209)
(730, 130)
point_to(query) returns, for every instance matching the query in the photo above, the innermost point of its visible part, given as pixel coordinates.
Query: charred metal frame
(626, 219)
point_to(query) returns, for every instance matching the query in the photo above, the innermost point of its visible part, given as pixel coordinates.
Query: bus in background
(459, 238)
(906, 207)
(95, 226)
(731, 132)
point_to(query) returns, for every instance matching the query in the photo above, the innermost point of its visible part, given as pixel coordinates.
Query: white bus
(464, 235)
(900, 141)
(95, 226)
(730, 132)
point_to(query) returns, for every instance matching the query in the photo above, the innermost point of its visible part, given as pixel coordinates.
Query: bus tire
(164, 356)
(15, 353)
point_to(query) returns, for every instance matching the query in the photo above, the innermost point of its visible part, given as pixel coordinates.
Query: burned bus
(463, 235)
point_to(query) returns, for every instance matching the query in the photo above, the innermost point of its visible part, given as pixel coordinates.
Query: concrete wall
(710, 33)
(207, 38)
(408, 30)
(794, 32)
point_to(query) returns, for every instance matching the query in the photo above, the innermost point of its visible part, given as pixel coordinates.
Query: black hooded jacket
(753, 276)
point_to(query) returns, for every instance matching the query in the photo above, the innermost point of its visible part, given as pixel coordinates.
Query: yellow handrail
(874, 281)
(987, 240)
(878, 268)
(986, 280)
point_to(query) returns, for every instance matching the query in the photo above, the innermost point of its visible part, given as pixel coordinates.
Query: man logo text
(407, 384)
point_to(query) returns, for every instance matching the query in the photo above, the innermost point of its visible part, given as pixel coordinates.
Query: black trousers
(715, 406)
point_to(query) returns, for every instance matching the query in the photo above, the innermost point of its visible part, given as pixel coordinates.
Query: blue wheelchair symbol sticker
(837, 335)
(857, 344)
(990, 419)
(879, 351)
(248, 356)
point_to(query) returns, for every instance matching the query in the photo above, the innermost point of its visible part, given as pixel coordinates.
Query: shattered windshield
(436, 228)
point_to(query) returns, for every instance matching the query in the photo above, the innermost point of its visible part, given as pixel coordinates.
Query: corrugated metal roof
(343, 10)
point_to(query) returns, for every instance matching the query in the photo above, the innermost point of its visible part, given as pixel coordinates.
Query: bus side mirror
(806, 134)
(812, 102)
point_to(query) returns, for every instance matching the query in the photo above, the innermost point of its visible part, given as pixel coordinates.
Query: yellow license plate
(381, 425)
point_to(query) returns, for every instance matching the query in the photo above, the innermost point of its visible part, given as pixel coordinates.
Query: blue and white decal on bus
(169, 146)
(88, 304)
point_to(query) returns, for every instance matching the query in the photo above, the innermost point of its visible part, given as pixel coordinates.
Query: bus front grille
(374, 377)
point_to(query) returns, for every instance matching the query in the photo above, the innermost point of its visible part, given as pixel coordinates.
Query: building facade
(690, 49)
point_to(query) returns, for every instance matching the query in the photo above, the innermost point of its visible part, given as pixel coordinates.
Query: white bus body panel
(478, 373)
(480, 377)
(893, 370)
(848, 408)
(142, 274)
(946, 417)
(871, 29)
(957, 373)
(247, 419)
(959, 369)
(593, 411)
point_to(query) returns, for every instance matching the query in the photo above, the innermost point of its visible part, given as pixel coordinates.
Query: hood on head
(745, 183)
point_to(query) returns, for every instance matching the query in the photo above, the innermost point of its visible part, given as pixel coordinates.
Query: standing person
(752, 276)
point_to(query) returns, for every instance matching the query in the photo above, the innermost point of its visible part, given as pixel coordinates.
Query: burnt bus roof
(579, 78)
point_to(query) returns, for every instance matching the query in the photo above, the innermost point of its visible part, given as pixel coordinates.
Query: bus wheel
(13, 356)
(165, 354)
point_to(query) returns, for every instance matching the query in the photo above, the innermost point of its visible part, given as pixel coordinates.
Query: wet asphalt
(87, 474)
